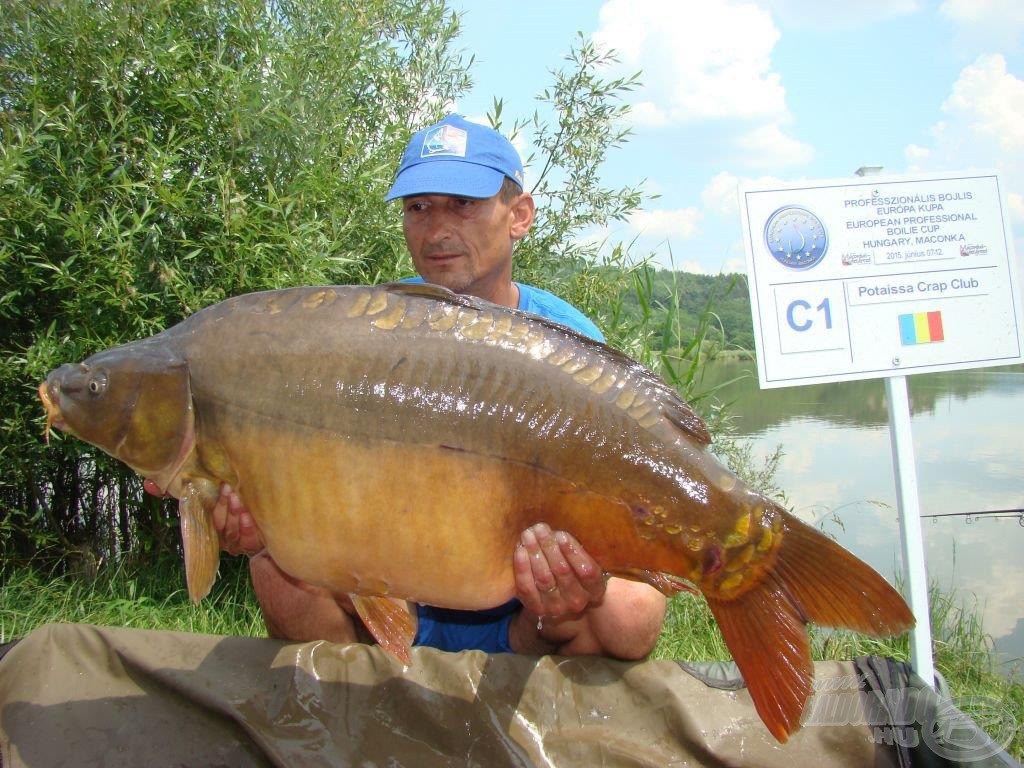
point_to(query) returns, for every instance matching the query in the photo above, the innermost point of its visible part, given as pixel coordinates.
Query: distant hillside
(690, 296)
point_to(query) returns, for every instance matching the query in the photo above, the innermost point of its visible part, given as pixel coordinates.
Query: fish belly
(431, 524)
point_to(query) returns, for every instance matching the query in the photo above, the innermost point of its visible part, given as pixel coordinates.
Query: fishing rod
(992, 514)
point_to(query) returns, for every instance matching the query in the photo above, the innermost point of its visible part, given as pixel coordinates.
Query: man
(464, 208)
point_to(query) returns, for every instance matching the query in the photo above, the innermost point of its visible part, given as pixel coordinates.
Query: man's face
(465, 244)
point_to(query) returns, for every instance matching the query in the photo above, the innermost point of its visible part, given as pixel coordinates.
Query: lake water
(968, 429)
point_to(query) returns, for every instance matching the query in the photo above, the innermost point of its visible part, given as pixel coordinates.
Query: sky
(770, 91)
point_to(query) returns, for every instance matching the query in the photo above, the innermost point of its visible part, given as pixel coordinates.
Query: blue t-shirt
(537, 301)
(451, 630)
(540, 302)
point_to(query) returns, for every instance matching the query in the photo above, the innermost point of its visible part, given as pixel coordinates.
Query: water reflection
(837, 469)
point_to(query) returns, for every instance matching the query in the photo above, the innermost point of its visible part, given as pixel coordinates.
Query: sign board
(880, 276)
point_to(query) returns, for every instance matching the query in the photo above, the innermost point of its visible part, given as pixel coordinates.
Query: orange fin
(665, 583)
(813, 579)
(199, 540)
(390, 623)
(768, 640)
(836, 589)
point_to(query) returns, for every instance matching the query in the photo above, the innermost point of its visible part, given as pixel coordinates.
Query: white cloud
(981, 125)
(679, 223)
(982, 11)
(996, 22)
(648, 113)
(699, 60)
(720, 195)
(768, 147)
(981, 129)
(1016, 203)
(990, 102)
(839, 13)
(916, 154)
(706, 63)
(734, 266)
(694, 267)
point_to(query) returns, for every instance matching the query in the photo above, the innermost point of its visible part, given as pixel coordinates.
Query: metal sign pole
(915, 575)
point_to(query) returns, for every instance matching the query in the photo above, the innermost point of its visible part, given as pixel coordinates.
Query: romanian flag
(920, 328)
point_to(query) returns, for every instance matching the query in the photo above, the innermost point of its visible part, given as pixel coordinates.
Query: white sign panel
(881, 276)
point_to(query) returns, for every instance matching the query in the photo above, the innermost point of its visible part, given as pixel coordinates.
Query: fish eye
(97, 383)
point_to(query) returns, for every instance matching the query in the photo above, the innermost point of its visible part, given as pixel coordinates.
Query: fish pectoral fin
(390, 623)
(665, 583)
(199, 538)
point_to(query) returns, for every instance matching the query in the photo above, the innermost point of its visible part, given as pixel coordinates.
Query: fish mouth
(53, 418)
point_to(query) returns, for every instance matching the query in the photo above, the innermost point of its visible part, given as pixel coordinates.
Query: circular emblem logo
(796, 237)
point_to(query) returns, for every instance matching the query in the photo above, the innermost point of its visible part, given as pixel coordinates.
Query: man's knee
(637, 612)
(295, 611)
(625, 625)
(636, 600)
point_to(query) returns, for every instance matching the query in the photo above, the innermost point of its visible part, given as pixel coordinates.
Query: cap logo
(444, 140)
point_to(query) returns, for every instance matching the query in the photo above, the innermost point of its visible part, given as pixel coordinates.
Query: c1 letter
(791, 310)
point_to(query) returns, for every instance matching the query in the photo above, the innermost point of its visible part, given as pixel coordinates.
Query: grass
(154, 597)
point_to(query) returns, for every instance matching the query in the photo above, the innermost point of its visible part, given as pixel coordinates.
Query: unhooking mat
(79, 695)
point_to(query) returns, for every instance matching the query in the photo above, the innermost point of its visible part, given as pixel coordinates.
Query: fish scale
(394, 441)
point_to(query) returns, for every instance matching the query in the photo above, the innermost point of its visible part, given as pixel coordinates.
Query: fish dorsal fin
(431, 291)
(680, 413)
(673, 407)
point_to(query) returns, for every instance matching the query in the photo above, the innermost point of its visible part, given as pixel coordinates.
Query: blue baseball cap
(456, 157)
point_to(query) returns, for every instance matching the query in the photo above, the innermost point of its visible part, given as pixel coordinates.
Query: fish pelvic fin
(390, 623)
(199, 539)
(813, 579)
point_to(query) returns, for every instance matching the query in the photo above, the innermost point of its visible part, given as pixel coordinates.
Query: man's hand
(235, 526)
(237, 530)
(555, 576)
(571, 607)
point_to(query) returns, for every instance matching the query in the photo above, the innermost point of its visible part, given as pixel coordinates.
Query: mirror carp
(393, 441)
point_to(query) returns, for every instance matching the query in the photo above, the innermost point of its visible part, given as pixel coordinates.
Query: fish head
(133, 402)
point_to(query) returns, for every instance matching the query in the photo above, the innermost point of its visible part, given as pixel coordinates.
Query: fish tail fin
(812, 579)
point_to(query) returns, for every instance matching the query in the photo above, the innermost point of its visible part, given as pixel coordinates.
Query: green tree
(581, 119)
(159, 156)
